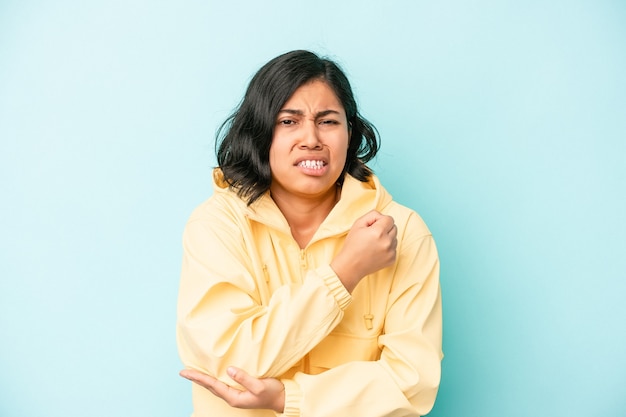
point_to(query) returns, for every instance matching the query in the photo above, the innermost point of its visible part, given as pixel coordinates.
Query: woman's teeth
(311, 164)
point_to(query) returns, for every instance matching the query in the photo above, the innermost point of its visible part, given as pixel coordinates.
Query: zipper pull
(265, 273)
(369, 321)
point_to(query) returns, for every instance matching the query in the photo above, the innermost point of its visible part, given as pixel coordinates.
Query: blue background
(503, 124)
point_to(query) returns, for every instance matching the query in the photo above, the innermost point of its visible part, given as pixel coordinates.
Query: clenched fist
(369, 246)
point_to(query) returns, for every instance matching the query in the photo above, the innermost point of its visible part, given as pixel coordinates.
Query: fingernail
(231, 371)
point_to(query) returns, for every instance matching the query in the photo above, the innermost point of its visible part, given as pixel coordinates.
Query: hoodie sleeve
(224, 318)
(405, 380)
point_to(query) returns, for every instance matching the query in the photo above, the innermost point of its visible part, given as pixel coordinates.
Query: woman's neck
(305, 215)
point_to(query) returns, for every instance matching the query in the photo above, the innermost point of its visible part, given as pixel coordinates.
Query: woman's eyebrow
(301, 113)
(292, 111)
(326, 113)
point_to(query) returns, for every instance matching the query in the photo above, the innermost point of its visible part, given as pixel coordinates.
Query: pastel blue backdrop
(503, 123)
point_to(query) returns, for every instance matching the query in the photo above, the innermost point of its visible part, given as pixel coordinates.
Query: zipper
(303, 262)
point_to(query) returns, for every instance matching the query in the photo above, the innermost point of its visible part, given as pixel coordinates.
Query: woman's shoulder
(408, 221)
(219, 209)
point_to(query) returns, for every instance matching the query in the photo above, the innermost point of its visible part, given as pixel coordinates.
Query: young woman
(305, 289)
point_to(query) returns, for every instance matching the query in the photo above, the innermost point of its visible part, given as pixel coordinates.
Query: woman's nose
(310, 136)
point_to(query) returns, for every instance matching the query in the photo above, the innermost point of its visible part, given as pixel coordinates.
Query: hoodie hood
(357, 197)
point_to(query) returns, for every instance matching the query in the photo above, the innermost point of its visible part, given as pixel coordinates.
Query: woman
(305, 289)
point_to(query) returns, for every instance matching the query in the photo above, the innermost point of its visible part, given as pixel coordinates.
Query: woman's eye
(286, 122)
(329, 122)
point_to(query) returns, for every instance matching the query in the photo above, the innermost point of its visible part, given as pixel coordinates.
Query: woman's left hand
(268, 393)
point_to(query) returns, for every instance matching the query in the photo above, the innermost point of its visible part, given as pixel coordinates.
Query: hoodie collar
(357, 198)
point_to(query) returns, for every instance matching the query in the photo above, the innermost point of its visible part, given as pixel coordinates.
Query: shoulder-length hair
(244, 139)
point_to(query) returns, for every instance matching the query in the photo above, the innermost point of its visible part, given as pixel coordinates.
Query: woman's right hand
(369, 246)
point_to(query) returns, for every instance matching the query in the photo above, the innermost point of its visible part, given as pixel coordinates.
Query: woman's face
(310, 143)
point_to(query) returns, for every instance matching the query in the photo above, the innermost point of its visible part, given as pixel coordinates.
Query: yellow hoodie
(251, 298)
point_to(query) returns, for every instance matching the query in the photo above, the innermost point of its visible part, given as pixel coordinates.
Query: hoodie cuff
(330, 278)
(293, 398)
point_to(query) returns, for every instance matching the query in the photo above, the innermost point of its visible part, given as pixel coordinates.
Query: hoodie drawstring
(368, 317)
